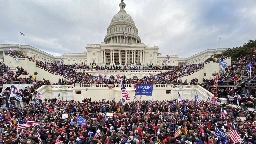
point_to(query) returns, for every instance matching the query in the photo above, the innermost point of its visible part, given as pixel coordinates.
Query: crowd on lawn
(110, 122)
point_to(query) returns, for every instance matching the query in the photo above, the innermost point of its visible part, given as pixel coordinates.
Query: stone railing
(46, 88)
(203, 91)
(16, 84)
(132, 85)
(122, 71)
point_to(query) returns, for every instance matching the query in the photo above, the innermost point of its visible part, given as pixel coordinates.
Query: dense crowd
(236, 82)
(177, 121)
(8, 76)
(110, 122)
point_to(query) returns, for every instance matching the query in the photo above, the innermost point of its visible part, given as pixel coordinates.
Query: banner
(144, 89)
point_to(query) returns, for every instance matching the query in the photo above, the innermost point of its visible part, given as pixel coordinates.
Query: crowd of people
(176, 121)
(235, 82)
(70, 72)
(110, 122)
(8, 76)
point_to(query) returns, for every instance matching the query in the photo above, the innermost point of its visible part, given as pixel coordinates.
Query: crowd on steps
(71, 72)
(236, 82)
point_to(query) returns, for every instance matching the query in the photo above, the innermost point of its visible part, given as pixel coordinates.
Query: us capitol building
(122, 45)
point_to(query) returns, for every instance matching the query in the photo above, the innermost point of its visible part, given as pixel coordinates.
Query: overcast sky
(178, 27)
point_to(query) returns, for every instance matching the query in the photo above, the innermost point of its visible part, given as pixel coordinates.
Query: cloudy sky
(177, 26)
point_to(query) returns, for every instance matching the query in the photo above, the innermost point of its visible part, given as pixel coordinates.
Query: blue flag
(221, 135)
(81, 120)
(123, 100)
(185, 108)
(223, 64)
(196, 98)
(249, 65)
(90, 133)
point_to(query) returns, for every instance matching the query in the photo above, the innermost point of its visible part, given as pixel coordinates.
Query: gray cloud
(178, 27)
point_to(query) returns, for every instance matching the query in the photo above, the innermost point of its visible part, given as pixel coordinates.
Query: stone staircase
(14, 69)
(30, 67)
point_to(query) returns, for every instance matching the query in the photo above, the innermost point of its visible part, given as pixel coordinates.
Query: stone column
(140, 56)
(101, 56)
(143, 57)
(104, 56)
(119, 57)
(125, 56)
(111, 57)
(134, 56)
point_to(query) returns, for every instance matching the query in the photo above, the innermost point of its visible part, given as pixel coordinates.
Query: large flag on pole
(124, 92)
(28, 124)
(249, 67)
(196, 97)
(235, 137)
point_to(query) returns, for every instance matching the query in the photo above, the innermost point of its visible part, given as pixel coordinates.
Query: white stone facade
(122, 45)
(160, 92)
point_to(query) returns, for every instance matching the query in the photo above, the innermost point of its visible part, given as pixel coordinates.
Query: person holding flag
(81, 121)
(124, 92)
(196, 98)
(249, 68)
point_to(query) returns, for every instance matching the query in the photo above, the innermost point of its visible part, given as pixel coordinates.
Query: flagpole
(219, 41)
(19, 41)
(250, 75)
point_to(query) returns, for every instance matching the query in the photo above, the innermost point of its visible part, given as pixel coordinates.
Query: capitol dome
(122, 28)
(122, 16)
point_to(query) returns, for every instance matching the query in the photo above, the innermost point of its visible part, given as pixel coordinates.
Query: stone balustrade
(123, 71)
(113, 91)
(132, 86)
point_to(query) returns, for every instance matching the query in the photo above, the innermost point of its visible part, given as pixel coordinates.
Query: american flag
(213, 100)
(34, 57)
(118, 77)
(14, 89)
(39, 95)
(58, 140)
(149, 109)
(2, 79)
(223, 112)
(125, 35)
(235, 137)
(39, 138)
(22, 34)
(28, 124)
(10, 50)
(169, 108)
(177, 133)
(124, 92)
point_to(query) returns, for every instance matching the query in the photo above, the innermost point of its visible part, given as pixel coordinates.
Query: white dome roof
(122, 25)
(121, 17)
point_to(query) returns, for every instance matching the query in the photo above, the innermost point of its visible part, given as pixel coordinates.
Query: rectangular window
(168, 91)
(78, 92)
